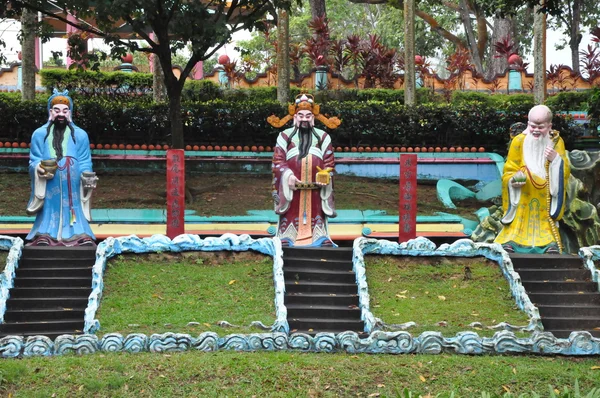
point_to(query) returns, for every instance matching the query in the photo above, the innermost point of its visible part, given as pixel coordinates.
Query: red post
(407, 203)
(175, 192)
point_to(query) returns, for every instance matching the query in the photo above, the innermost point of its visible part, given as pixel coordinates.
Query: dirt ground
(230, 194)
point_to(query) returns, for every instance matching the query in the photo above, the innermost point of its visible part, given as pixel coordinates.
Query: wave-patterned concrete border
(378, 342)
(425, 248)
(470, 343)
(589, 255)
(14, 246)
(159, 243)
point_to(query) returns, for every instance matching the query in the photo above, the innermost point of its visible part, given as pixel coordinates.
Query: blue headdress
(60, 97)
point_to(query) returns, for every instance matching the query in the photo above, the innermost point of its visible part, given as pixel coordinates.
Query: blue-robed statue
(62, 179)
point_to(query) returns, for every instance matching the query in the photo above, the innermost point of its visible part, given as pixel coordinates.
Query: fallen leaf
(400, 296)
(556, 391)
(514, 370)
(380, 385)
(80, 388)
(206, 324)
(231, 282)
(404, 292)
(595, 367)
(390, 279)
(423, 379)
(375, 394)
(442, 298)
(506, 389)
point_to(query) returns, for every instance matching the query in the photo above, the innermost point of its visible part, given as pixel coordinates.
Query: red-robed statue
(303, 163)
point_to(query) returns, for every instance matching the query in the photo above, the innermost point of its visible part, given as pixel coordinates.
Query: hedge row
(244, 122)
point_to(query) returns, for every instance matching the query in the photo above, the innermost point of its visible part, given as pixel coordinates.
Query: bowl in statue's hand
(49, 165)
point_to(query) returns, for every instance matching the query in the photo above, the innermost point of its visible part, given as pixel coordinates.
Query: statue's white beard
(533, 153)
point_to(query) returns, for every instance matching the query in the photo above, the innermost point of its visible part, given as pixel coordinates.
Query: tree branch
(435, 26)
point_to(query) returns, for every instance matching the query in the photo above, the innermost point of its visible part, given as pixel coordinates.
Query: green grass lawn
(161, 293)
(143, 293)
(289, 374)
(430, 290)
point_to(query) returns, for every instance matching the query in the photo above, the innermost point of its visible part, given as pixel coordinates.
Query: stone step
(52, 334)
(41, 283)
(35, 292)
(321, 299)
(361, 334)
(46, 302)
(323, 311)
(45, 272)
(315, 274)
(559, 286)
(572, 323)
(565, 298)
(329, 253)
(16, 328)
(545, 261)
(565, 310)
(556, 274)
(55, 263)
(325, 264)
(43, 314)
(45, 252)
(320, 324)
(321, 287)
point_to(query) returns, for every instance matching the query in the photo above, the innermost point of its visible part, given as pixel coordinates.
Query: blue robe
(63, 214)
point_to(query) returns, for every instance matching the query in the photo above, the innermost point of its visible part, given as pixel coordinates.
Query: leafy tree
(165, 27)
(575, 15)
(475, 17)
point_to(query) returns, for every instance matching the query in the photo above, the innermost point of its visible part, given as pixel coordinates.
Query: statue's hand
(44, 174)
(292, 182)
(89, 180)
(518, 180)
(550, 153)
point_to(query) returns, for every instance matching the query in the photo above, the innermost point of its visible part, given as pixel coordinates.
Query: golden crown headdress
(304, 102)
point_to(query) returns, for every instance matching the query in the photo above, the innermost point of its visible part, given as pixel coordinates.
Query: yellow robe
(530, 227)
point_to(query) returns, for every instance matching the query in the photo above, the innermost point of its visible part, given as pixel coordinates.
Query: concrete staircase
(563, 291)
(50, 293)
(321, 291)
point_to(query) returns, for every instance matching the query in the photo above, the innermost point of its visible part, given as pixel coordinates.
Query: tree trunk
(498, 63)
(575, 35)
(177, 141)
(539, 56)
(283, 56)
(409, 52)
(158, 80)
(28, 21)
(317, 8)
(465, 15)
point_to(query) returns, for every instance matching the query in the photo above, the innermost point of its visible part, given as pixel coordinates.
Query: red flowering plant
(317, 47)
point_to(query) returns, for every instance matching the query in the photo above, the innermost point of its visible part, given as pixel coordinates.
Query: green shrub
(593, 109)
(200, 90)
(243, 121)
(569, 101)
(99, 84)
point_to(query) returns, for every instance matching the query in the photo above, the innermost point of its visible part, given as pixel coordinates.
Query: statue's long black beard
(59, 135)
(305, 139)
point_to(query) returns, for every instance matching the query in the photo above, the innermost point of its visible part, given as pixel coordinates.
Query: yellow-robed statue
(534, 183)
